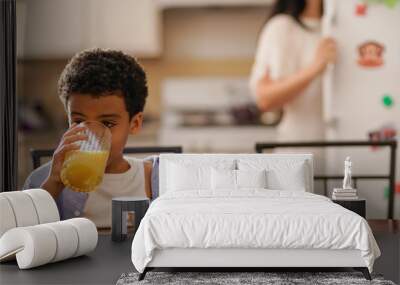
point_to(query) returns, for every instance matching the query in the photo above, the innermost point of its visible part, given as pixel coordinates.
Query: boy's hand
(53, 183)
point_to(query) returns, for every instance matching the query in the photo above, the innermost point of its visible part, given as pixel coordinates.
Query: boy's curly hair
(99, 72)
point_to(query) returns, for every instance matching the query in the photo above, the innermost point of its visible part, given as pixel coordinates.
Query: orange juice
(83, 170)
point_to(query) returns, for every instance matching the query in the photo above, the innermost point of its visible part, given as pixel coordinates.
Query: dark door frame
(8, 98)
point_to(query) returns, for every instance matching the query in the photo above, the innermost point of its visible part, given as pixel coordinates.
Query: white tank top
(130, 183)
(284, 47)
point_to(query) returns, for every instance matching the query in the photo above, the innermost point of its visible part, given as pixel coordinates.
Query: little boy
(108, 87)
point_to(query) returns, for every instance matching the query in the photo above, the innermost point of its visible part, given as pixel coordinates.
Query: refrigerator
(361, 93)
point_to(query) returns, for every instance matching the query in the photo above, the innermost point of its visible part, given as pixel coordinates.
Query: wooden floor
(387, 235)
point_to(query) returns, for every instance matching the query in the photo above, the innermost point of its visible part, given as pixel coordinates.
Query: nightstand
(358, 206)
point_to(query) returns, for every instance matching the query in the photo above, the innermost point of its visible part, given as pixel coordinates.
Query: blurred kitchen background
(197, 54)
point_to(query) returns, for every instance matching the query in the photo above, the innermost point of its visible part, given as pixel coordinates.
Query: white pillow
(223, 179)
(188, 173)
(282, 174)
(226, 179)
(251, 178)
(293, 178)
(188, 177)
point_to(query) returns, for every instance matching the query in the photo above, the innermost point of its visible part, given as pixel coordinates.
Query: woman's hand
(53, 183)
(324, 54)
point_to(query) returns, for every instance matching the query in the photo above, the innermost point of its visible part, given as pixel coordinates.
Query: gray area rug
(225, 278)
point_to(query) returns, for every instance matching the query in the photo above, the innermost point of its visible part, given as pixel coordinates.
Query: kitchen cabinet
(212, 3)
(58, 28)
(132, 26)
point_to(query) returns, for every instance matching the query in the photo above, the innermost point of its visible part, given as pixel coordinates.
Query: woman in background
(291, 56)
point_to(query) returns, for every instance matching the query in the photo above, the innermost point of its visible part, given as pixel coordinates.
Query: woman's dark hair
(98, 72)
(293, 8)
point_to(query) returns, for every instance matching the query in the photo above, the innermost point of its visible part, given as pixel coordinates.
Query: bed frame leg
(143, 274)
(364, 271)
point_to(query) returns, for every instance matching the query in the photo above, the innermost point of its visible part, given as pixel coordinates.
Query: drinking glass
(83, 169)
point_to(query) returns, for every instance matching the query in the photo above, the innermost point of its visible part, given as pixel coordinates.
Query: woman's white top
(130, 183)
(284, 48)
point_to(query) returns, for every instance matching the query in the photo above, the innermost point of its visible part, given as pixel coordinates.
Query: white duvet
(250, 219)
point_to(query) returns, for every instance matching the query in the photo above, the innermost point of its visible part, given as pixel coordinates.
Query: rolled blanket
(26, 208)
(41, 244)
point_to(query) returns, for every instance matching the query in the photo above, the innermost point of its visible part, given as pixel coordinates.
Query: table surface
(102, 266)
(110, 259)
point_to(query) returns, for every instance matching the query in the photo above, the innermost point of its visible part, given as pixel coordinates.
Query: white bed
(247, 211)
